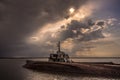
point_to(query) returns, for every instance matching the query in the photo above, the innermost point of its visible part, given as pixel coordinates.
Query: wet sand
(109, 70)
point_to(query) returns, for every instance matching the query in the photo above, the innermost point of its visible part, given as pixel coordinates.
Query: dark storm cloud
(82, 41)
(101, 23)
(93, 35)
(20, 18)
(74, 30)
(73, 26)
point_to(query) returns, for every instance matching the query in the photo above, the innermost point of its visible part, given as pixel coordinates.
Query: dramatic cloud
(82, 35)
(21, 18)
(83, 31)
(33, 27)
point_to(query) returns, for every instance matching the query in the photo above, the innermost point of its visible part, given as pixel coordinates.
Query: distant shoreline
(70, 57)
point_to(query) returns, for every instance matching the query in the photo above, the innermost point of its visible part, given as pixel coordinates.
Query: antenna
(58, 46)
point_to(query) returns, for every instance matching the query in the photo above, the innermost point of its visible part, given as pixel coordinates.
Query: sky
(86, 28)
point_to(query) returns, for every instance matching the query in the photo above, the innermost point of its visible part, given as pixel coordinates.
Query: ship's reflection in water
(11, 69)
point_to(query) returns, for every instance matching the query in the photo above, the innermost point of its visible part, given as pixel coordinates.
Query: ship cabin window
(53, 56)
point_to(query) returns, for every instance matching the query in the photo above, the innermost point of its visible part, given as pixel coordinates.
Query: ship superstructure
(59, 56)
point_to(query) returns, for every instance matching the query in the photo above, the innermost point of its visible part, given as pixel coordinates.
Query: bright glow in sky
(71, 10)
(82, 13)
(87, 30)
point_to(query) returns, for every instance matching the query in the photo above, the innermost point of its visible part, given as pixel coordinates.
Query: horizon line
(70, 57)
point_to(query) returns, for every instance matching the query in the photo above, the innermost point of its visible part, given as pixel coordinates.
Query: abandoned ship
(61, 63)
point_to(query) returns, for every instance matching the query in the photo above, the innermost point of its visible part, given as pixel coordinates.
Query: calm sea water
(11, 69)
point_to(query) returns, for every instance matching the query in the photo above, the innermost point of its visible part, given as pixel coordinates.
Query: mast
(58, 46)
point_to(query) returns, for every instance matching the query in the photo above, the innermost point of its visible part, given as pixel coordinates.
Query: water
(11, 69)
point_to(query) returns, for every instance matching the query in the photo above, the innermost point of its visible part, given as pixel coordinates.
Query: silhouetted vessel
(60, 62)
(59, 56)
